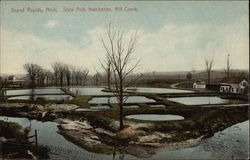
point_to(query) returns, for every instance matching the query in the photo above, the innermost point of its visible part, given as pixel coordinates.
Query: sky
(173, 35)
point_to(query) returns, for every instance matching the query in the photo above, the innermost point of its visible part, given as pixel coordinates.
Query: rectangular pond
(157, 106)
(103, 107)
(98, 90)
(46, 97)
(34, 91)
(131, 99)
(89, 91)
(161, 90)
(131, 107)
(203, 100)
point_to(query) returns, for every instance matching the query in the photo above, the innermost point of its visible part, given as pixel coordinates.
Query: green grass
(185, 85)
(68, 92)
(81, 101)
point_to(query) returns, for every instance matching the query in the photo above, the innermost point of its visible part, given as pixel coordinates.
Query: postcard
(124, 80)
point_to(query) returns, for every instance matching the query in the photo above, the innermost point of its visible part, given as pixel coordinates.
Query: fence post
(36, 136)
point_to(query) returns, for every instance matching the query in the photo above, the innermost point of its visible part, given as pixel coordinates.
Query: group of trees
(209, 62)
(60, 75)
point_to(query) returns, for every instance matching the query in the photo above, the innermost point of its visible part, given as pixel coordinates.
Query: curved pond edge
(155, 117)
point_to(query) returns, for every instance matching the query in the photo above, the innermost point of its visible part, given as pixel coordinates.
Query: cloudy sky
(173, 36)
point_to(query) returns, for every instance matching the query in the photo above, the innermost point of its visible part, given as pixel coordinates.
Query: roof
(200, 82)
(232, 80)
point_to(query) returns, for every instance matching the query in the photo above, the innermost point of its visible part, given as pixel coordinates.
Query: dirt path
(174, 85)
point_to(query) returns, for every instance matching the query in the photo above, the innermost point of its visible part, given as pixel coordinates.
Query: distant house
(12, 78)
(234, 86)
(199, 84)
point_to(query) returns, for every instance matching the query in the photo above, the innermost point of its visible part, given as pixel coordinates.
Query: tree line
(61, 75)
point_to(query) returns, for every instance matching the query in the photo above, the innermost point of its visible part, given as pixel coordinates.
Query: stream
(230, 143)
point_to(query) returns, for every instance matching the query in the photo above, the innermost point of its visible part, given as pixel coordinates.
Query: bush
(100, 121)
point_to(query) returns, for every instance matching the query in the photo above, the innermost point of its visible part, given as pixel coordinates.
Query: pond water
(158, 105)
(161, 90)
(46, 97)
(202, 100)
(89, 91)
(103, 107)
(231, 143)
(60, 147)
(35, 91)
(83, 109)
(131, 99)
(131, 106)
(155, 117)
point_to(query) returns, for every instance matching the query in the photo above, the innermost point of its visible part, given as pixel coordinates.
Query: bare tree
(68, 74)
(41, 77)
(59, 72)
(106, 65)
(86, 73)
(119, 49)
(209, 65)
(97, 78)
(48, 77)
(34, 71)
(56, 69)
(228, 69)
(189, 76)
(79, 76)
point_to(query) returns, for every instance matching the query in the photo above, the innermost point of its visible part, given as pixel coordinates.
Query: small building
(12, 78)
(234, 86)
(199, 84)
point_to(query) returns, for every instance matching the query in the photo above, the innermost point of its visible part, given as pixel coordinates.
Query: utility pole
(228, 66)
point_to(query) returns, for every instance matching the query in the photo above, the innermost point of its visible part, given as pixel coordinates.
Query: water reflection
(155, 117)
(131, 99)
(202, 100)
(230, 143)
(46, 97)
(161, 90)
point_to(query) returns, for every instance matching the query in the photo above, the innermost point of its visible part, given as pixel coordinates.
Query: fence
(35, 135)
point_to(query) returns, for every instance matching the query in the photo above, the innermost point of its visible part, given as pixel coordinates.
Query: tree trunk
(121, 105)
(208, 77)
(61, 82)
(109, 79)
(68, 81)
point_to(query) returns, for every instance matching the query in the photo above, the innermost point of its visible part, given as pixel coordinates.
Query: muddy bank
(46, 112)
(131, 140)
(144, 139)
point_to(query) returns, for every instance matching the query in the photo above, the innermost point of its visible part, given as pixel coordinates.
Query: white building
(199, 84)
(234, 87)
